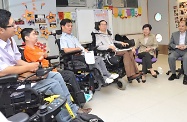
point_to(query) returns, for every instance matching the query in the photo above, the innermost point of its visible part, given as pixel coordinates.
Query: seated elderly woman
(104, 41)
(147, 44)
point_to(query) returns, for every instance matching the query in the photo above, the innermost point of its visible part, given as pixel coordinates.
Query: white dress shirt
(182, 38)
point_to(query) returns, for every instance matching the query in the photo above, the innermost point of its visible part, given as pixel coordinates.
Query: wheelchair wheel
(121, 85)
(97, 86)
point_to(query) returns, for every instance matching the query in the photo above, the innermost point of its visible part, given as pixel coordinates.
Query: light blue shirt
(8, 55)
(69, 41)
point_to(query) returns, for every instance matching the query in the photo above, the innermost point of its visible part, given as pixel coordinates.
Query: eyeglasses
(104, 24)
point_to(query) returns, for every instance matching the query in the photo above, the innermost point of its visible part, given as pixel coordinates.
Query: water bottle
(160, 70)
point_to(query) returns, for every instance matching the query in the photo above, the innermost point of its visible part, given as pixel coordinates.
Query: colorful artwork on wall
(29, 15)
(18, 32)
(45, 33)
(61, 15)
(51, 17)
(19, 21)
(40, 18)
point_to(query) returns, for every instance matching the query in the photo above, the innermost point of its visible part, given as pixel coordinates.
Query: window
(131, 3)
(158, 17)
(60, 3)
(158, 37)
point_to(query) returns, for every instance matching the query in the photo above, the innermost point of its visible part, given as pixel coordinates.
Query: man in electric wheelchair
(33, 53)
(69, 43)
(105, 42)
(11, 63)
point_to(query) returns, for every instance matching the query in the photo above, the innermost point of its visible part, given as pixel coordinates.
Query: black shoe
(172, 77)
(135, 76)
(155, 76)
(143, 81)
(185, 80)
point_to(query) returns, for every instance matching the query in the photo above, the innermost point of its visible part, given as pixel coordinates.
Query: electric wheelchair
(27, 104)
(77, 97)
(88, 76)
(113, 62)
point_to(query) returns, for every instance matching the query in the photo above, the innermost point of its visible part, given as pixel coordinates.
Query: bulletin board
(86, 19)
(38, 14)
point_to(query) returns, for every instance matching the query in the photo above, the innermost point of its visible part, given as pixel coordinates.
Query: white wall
(1, 4)
(17, 10)
(91, 4)
(144, 18)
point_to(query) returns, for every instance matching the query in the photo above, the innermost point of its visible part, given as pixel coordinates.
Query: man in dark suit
(178, 48)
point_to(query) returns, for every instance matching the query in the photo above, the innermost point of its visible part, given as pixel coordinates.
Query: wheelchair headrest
(97, 26)
(21, 50)
(57, 41)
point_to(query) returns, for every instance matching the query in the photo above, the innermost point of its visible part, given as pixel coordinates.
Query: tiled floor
(157, 100)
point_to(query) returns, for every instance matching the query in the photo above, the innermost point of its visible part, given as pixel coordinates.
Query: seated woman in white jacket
(104, 41)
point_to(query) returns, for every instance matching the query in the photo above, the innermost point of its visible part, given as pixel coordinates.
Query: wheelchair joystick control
(40, 65)
(43, 109)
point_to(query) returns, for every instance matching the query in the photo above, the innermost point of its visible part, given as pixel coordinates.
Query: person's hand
(147, 49)
(45, 54)
(78, 48)
(33, 66)
(124, 44)
(178, 46)
(85, 50)
(134, 51)
(112, 47)
(183, 47)
(41, 53)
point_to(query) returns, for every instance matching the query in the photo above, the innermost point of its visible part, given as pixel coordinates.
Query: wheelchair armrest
(19, 117)
(52, 57)
(104, 51)
(21, 46)
(9, 79)
(95, 48)
(71, 53)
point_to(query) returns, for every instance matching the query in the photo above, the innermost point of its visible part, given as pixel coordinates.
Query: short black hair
(102, 21)
(26, 32)
(4, 18)
(97, 24)
(147, 25)
(64, 21)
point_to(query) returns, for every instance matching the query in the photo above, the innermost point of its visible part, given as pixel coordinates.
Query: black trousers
(69, 77)
(146, 61)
